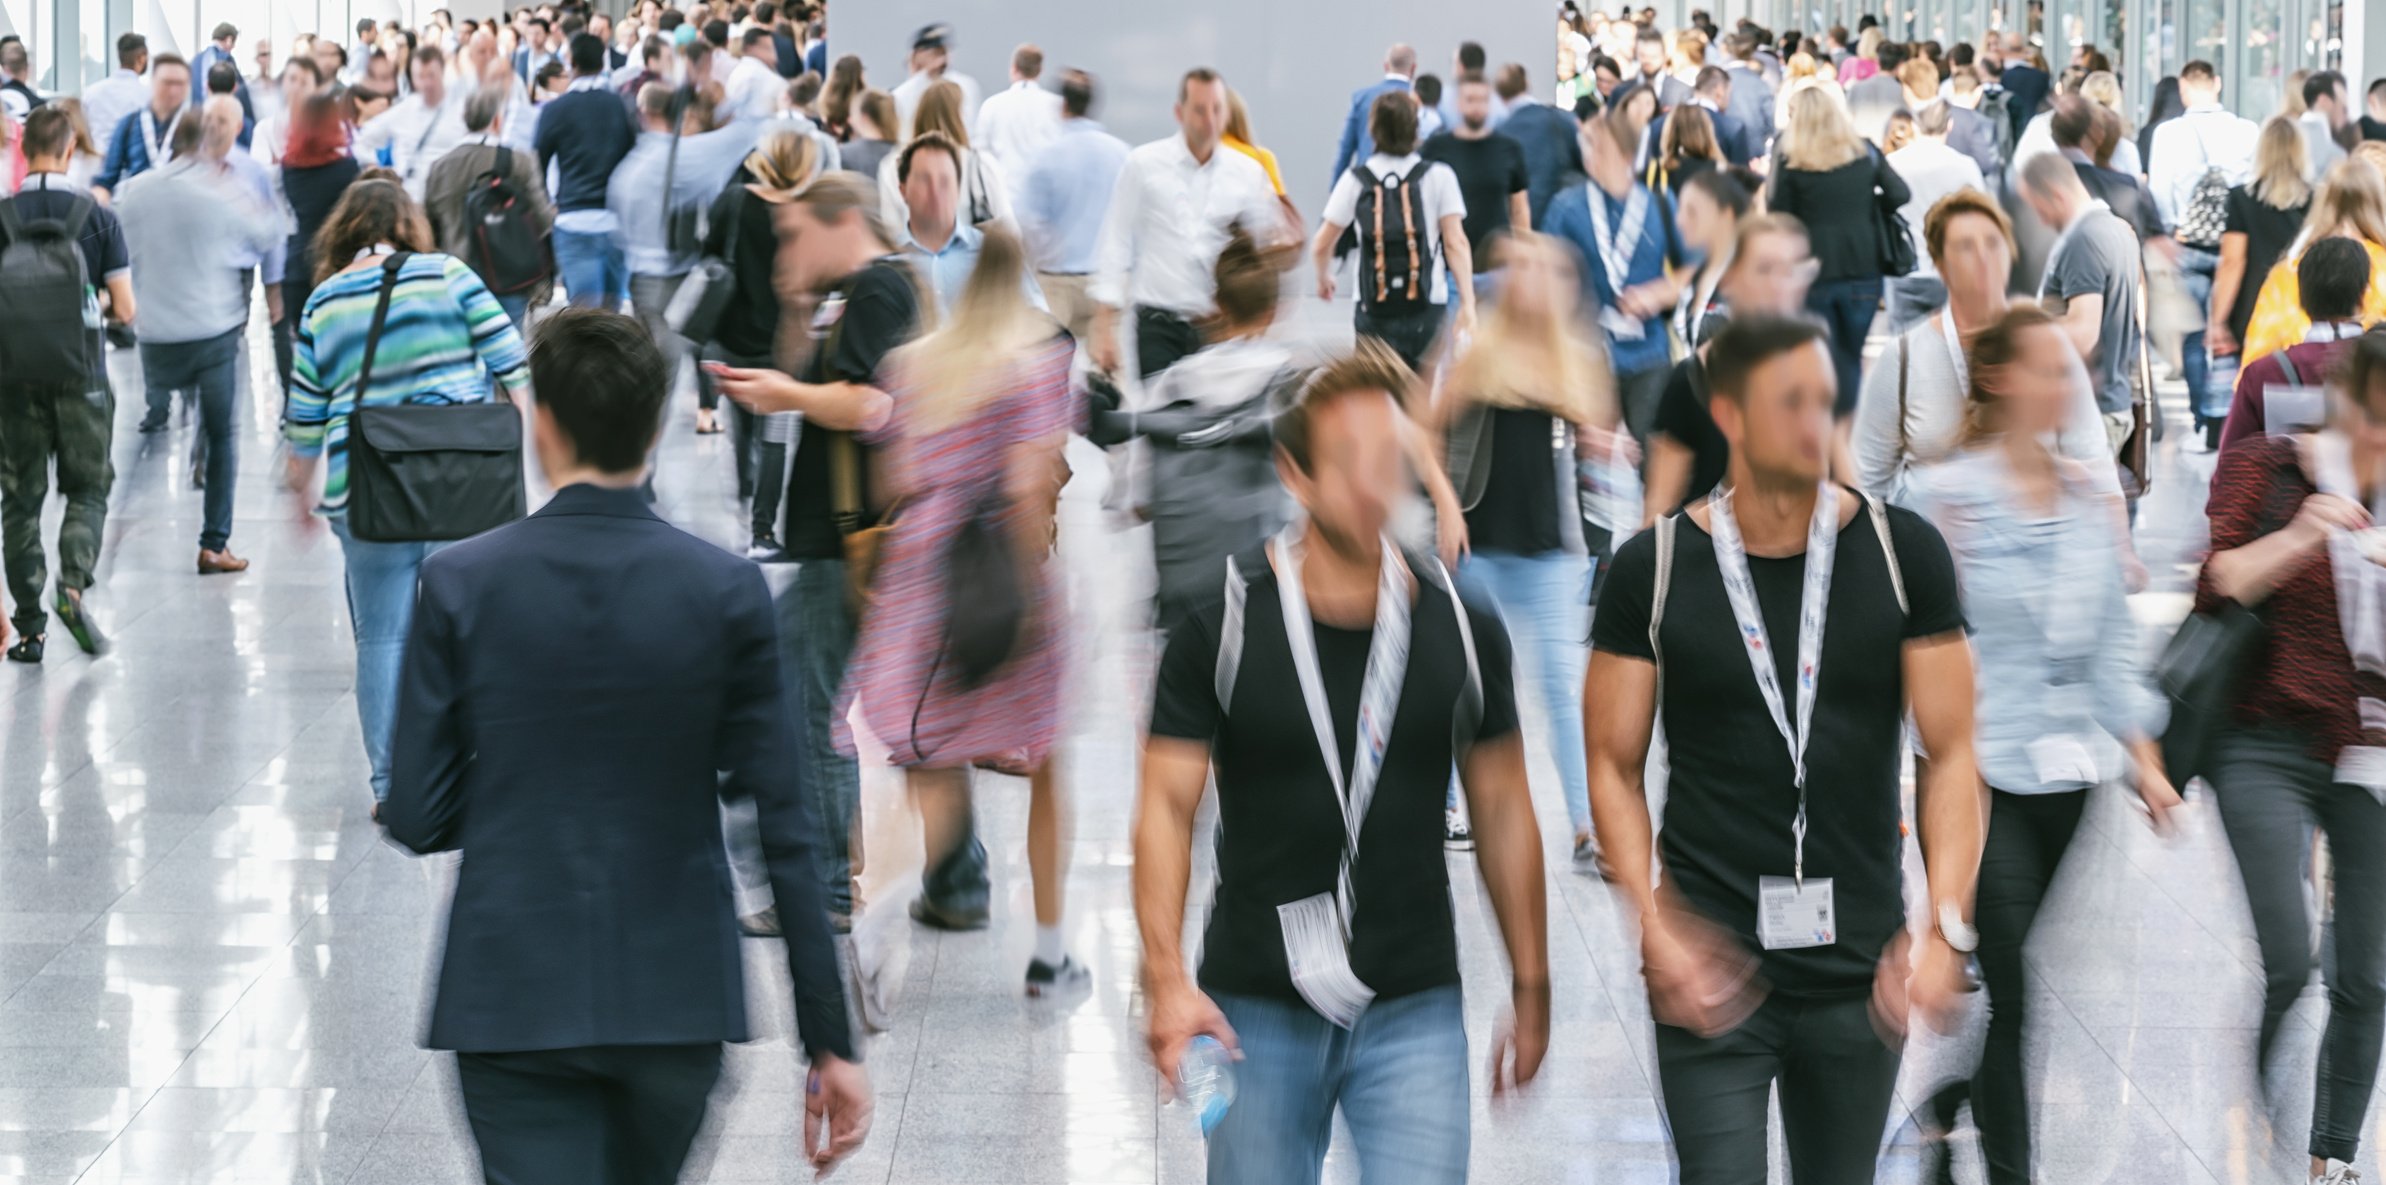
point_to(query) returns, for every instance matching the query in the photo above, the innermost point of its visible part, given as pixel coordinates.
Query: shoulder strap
(1230, 635)
(1668, 528)
(2286, 363)
(1880, 526)
(83, 207)
(845, 482)
(505, 164)
(389, 285)
(1902, 358)
(1418, 173)
(1469, 720)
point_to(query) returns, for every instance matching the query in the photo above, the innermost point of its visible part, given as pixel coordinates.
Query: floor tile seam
(2162, 886)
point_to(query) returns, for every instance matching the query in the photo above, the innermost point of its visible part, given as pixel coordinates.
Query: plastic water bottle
(1205, 1078)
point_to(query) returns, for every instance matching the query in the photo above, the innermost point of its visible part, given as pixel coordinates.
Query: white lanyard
(1379, 690)
(1616, 248)
(2065, 237)
(1963, 365)
(1814, 601)
(161, 148)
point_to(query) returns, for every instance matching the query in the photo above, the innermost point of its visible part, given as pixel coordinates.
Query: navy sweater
(584, 133)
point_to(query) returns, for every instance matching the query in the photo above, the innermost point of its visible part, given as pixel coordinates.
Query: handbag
(1896, 238)
(703, 297)
(2198, 673)
(985, 593)
(429, 472)
(862, 543)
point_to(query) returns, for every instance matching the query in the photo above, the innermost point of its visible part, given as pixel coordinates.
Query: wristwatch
(1959, 934)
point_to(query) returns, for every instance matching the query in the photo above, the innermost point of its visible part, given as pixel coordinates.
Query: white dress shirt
(1014, 123)
(108, 101)
(2321, 151)
(2203, 138)
(1931, 171)
(1169, 219)
(417, 135)
(754, 89)
(908, 92)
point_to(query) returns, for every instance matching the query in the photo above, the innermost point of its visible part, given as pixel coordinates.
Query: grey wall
(1295, 61)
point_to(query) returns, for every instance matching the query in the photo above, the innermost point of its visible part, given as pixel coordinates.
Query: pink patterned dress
(910, 697)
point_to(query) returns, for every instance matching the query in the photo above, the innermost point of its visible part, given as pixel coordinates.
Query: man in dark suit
(1400, 72)
(1552, 140)
(1871, 102)
(2025, 85)
(2079, 126)
(577, 686)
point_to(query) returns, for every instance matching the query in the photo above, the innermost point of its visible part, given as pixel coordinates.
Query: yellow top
(2278, 320)
(1266, 159)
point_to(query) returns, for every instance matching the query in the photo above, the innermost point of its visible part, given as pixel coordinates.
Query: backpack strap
(1903, 357)
(1880, 526)
(84, 205)
(389, 285)
(2286, 363)
(505, 164)
(1230, 635)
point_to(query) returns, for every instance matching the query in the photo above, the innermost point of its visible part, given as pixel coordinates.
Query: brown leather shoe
(213, 562)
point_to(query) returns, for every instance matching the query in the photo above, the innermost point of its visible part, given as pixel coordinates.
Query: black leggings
(2027, 836)
(1837, 1080)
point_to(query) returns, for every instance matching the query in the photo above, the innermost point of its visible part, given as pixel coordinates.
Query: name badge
(2062, 759)
(1320, 962)
(1791, 918)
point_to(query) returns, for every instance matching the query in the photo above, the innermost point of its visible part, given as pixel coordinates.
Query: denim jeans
(1847, 308)
(517, 310)
(1837, 1082)
(1911, 298)
(1545, 602)
(210, 366)
(1399, 1076)
(592, 270)
(2272, 794)
(815, 640)
(381, 587)
(2196, 269)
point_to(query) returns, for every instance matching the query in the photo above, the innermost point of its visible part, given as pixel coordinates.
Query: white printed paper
(1789, 917)
(1314, 951)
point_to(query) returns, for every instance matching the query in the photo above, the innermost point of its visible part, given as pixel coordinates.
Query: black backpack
(45, 293)
(1396, 252)
(503, 244)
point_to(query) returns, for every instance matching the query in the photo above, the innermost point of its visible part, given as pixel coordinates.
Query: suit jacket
(1971, 134)
(2124, 194)
(450, 181)
(1871, 102)
(576, 686)
(1552, 151)
(1751, 104)
(1357, 142)
(2025, 91)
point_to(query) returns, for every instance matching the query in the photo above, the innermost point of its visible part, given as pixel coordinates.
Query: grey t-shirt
(2100, 258)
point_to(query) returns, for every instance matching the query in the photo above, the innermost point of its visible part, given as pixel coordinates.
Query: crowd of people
(1614, 410)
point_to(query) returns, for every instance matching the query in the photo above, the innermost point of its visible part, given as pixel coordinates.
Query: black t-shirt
(750, 324)
(1731, 795)
(1682, 415)
(1490, 170)
(1280, 833)
(1518, 512)
(875, 310)
(2268, 232)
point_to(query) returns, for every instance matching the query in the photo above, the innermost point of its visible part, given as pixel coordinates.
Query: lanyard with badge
(1792, 912)
(1317, 929)
(161, 148)
(1616, 247)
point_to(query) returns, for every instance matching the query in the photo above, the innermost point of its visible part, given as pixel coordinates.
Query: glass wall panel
(2263, 68)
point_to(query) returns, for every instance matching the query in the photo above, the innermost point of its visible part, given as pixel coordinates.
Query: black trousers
(1837, 1080)
(605, 1115)
(1162, 337)
(2027, 836)
(1410, 333)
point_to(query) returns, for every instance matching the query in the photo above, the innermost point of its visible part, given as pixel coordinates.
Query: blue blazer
(1357, 142)
(1552, 152)
(581, 689)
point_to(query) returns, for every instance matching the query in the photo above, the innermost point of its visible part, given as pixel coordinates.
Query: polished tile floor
(212, 969)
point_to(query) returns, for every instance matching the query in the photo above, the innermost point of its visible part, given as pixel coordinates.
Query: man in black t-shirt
(1314, 640)
(1790, 625)
(1490, 169)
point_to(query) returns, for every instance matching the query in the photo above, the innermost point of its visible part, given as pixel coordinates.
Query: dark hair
(364, 26)
(1867, 21)
(223, 78)
(571, 26)
(1028, 61)
(604, 380)
(926, 142)
(49, 131)
(716, 33)
(670, 19)
(1962, 55)
(372, 211)
(2320, 86)
(2199, 69)
(1710, 77)
(1512, 81)
(1392, 122)
(1470, 56)
(1369, 368)
(164, 60)
(1076, 93)
(1184, 85)
(1750, 341)
(652, 48)
(1429, 89)
(548, 72)
(755, 35)
(543, 24)
(1995, 347)
(1248, 283)
(1647, 33)
(803, 90)
(2334, 276)
(2073, 121)
(429, 55)
(1891, 55)
(587, 52)
(1723, 188)
(766, 13)
(2361, 370)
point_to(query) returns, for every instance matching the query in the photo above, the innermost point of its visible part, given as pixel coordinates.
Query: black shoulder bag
(1898, 257)
(2199, 672)
(429, 472)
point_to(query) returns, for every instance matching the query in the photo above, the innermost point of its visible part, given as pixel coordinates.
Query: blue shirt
(1657, 248)
(948, 270)
(1066, 193)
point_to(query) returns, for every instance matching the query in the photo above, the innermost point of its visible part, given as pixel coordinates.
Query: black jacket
(576, 686)
(1842, 209)
(585, 133)
(1552, 151)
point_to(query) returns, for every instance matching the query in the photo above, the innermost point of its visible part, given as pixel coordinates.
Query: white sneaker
(2339, 1173)
(1456, 835)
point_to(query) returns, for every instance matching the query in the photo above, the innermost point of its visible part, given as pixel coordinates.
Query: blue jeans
(1545, 602)
(381, 586)
(2196, 269)
(815, 640)
(1399, 1075)
(211, 367)
(517, 310)
(592, 270)
(1846, 308)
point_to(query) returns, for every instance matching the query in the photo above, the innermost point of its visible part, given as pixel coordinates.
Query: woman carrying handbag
(394, 338)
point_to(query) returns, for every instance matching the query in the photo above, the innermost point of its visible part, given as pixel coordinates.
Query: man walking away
(1358, 137)
(1062, 198)
(2326, 111)
(58, 247)
(593, 966)
(107, 102)
(2191, 165)
(1551, 140)
(1331, 684)
(1412, 223)
(1014, 124)
(469, 234)
(582, 137)
(1771, 843)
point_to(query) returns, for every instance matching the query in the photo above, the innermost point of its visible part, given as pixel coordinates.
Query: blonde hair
(2352, 198)
(2104, 90)
(1920, 78)
(1546, 361)
(2373, 151)
(2290, 99)
(787, 160)
(1819, 136)
(952, 370)
(1869, 45)
(1238, 117)
(1799, 68)
(2279, 158)
(940, 111)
